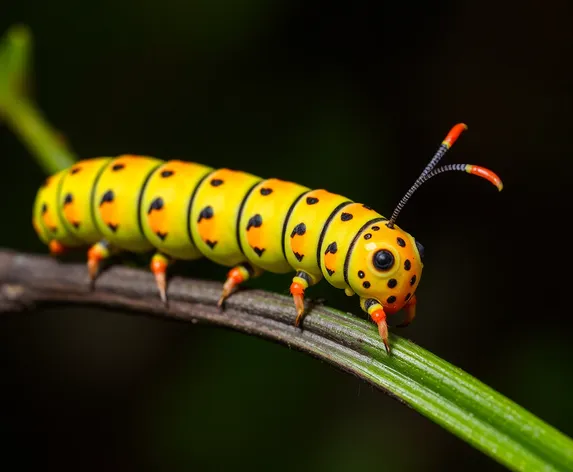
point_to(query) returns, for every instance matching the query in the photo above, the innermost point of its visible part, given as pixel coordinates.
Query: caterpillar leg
(376, 312)
(56, 248)
(159, 264)
(98, 253)
(410, 309)
(236, 276)
(300, 282)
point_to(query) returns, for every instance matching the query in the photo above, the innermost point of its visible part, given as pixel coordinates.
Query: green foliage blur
(350, 97)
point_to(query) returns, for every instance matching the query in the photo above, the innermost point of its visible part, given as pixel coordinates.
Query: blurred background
(354, 97)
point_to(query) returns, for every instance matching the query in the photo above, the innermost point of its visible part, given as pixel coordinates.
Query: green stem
(40, 139)
(452, 398)
(20, 113)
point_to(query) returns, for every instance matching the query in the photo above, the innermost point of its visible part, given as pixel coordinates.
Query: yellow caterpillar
(186, 211)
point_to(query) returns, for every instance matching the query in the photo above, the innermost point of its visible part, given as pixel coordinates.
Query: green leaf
(450, 397)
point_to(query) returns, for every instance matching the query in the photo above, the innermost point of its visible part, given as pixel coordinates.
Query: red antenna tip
(454, 134)
(485, 174)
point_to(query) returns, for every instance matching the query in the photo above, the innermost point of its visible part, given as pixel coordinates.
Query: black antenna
(430, 170)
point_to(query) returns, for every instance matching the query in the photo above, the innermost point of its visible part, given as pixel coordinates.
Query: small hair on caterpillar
(186, 210)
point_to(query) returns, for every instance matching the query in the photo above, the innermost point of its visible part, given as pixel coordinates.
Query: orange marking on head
(454, 134)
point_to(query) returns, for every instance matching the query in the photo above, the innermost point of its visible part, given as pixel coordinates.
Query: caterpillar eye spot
(383, 260)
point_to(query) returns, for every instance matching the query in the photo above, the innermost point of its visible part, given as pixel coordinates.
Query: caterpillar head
(386, 265)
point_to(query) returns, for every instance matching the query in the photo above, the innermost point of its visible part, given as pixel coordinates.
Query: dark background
(350, 97)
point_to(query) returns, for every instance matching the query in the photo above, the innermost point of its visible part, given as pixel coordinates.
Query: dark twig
(445, 394)
(33, 281)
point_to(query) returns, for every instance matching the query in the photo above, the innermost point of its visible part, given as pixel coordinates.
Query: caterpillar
(185, 211)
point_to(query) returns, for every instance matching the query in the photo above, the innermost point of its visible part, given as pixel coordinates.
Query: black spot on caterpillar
(255, 222)
(299, 229)
(206, 213)
(332, 248)
(156, 204)
(107, 197)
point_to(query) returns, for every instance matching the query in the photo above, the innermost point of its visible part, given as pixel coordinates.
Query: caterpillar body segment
(185, 211)
(164, 210)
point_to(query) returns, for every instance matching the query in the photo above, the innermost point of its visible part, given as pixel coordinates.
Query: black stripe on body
(353, 243)
(93, 195)
(325, 227)
(240, 214)
(287, 218)
(140, 200)
(190, 206)
(60, 207)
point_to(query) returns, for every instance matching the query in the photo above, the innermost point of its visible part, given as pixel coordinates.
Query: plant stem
(438, 390)
(19, 111)
(41, 140)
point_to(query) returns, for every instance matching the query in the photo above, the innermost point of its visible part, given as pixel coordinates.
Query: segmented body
(187, 211)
